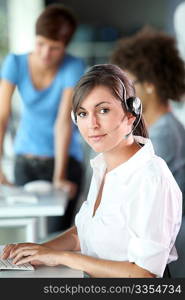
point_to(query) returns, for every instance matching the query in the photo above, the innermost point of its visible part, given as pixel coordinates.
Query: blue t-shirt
(35, 134)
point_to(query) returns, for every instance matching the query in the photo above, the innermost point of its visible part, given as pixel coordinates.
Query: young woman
(47, 147)
(152, 62)
(129, 223)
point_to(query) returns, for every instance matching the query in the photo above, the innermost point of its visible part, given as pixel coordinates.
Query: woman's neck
(125, 150)
(41, 77)
(154, 111)
(41, 68)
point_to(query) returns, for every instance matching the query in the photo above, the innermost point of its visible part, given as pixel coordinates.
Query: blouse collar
(132, 164)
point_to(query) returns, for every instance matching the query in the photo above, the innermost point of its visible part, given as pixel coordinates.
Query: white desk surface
(50, 204)
(43, 272)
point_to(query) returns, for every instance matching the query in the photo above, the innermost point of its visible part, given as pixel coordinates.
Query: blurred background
(101, 24)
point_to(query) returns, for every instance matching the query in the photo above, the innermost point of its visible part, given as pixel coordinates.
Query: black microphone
(128, 134)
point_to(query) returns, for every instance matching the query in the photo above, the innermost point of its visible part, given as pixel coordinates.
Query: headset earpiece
(73, 117)
(133, 105)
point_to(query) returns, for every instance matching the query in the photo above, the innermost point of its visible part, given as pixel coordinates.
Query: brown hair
(56, 22)
(152, 56)
(116, 80)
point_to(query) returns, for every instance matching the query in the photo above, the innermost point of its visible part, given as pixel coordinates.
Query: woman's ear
(148, 87)
(131, 118)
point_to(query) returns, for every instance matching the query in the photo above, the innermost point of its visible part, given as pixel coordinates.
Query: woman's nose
(92, 122)
(45, 52)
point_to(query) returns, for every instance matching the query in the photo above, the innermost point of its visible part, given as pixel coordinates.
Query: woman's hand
(66, 185)
(33, 253)
(7, 251)
(3, 179)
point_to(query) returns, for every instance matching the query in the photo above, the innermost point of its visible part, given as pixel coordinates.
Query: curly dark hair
(152, 56)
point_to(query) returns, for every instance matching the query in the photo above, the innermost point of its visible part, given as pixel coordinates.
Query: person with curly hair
(153, 63)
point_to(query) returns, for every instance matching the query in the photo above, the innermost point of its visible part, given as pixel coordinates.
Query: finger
(25, 260)
(14, 249)
(21, 248)
(6, 251)
(7, 246)
(21, 245)
(21, 255)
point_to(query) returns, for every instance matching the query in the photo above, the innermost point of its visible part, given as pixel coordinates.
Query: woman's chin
(97, 148)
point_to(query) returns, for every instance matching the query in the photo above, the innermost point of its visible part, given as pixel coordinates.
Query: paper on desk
(21, 199)
(17, 195)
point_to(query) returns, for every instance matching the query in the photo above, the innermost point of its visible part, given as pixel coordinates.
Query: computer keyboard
(6, 264)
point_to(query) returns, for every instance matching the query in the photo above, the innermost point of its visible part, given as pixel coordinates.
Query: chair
(177, 268)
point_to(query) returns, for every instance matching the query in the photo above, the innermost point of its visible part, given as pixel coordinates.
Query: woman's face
(102, 121)
(49, 52)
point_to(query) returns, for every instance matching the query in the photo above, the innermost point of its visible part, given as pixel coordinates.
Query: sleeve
(9, 69)
(75, 71)
(153, 230)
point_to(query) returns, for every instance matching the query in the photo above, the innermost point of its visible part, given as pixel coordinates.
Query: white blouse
(139, 215)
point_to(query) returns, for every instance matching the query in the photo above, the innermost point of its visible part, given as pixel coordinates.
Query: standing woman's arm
(6, 92)
(63, 132)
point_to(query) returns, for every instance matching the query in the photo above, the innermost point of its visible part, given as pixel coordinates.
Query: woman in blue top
(47, 147)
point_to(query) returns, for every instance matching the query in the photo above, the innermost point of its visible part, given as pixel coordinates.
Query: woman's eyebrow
(103, 102)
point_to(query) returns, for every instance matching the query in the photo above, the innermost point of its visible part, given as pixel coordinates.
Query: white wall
(22, 15)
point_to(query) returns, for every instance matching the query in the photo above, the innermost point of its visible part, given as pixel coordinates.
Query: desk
(52, 203)
(43, 272)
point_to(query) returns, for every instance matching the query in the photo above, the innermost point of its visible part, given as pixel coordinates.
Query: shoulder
(16, 57)
(154, 190)
(72, 61)
(156, 169)
(73, 58)
(72, 68)
(11, 66)
(166, 135)
(157, 176)
(166, 126)
(13, 60)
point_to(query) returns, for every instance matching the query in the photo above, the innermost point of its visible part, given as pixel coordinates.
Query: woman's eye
(82, 114)
(55, 48)
(104, 110)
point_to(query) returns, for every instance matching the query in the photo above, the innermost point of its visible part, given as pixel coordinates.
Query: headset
(74, 118)
(132, 105)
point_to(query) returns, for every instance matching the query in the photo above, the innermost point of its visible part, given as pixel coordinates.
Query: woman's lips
(96, 138)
